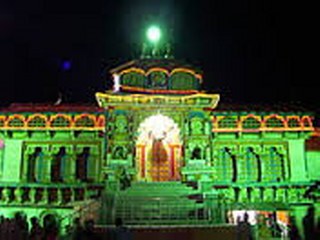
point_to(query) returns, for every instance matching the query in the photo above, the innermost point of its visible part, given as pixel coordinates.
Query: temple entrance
(158, 149)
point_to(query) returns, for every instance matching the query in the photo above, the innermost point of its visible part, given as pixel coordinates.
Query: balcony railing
(62, 195)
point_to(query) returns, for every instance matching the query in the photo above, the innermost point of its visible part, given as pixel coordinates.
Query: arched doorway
(158, 149)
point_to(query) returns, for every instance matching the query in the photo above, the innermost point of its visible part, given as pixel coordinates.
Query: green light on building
(154, 34)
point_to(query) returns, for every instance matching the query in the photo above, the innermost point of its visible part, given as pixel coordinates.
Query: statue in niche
(196, 126)
(196, 153)
(119, 153)
(121, 124)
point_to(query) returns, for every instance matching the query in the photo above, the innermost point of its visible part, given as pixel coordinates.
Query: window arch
(225, 165)
(16, 121)
(274, 122)
(306, 121)
(274, 170)
(227, 122)
(37, 121)
(293, 122)
(61, 121)
(84, 121)
(251, 123)
(250, 166)
(183, 81)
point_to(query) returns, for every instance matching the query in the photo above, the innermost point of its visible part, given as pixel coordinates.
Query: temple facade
(157, 150)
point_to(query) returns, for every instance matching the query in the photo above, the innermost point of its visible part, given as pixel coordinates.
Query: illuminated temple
(156, 150)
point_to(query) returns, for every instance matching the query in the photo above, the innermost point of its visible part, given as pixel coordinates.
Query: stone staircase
(159, 203)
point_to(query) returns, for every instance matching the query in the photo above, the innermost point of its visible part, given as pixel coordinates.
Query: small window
(227, 122)
(183, 81)
(61, 121)
(306, 122)
(274, 122)
(16, 122)
(251, 123)
(37, 122)
(84, 121)
(293, 123)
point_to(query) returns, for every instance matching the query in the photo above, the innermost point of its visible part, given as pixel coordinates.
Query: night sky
(250, 51)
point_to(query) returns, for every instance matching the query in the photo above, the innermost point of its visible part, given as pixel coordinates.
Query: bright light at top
(154, 34)
(158, 127)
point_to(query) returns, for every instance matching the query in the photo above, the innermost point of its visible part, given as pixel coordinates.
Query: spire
(155, 46)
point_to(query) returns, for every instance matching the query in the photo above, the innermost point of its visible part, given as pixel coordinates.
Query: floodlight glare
(154, 34)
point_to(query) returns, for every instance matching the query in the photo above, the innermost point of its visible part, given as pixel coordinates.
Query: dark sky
(249, 51)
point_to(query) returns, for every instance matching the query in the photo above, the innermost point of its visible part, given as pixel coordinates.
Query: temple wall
(18, 148)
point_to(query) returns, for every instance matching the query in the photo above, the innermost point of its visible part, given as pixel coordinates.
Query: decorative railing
(45, 194)
(200, 100)
(160, 210)
(261, 123)
(56, 121)
(263, 194)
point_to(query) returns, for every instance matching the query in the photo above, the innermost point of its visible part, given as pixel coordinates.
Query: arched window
(250, 166)
(251, 123)
(183, 81)
(82, 165)
(227, 122)
(61, 121)
(36, 166)
(58, 165)
(306, 121)
(293, 123)
(274, 122)
(196, 153)
(225, 165)
(133, 79)
(16, 122)
(37, 121)
(84, 121)
(274, 166)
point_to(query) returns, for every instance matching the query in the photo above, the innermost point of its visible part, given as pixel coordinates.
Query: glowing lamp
(154, 34)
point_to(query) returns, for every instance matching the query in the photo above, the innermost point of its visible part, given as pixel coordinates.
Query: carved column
(25, 163)
(47, 159)
(69, 173)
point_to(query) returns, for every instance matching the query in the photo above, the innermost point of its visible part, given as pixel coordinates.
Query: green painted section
(12, 160)
(297, 158)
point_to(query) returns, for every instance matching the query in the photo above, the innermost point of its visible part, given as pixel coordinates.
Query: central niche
(158, 149)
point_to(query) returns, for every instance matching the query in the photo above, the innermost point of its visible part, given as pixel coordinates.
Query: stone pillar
(47, 159)
(69, 173)
(297, 160)
(299, 212)
(25, 163)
